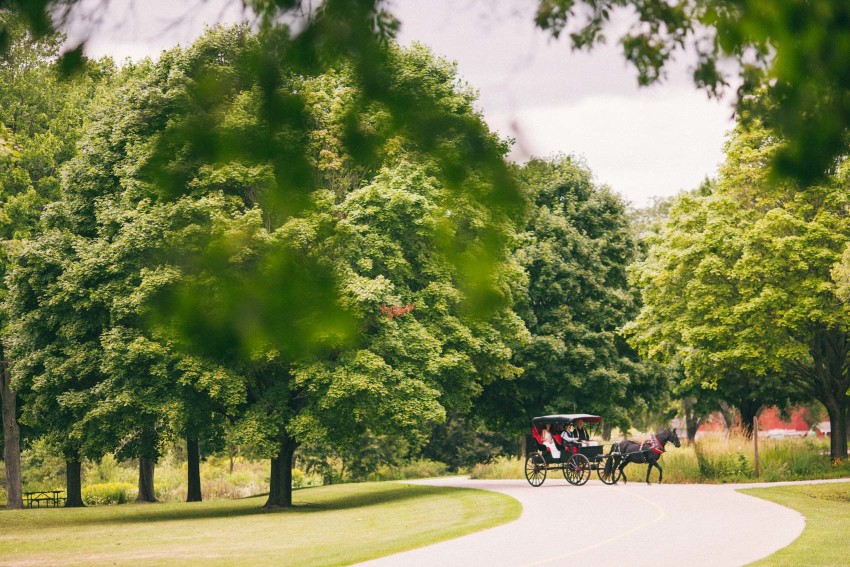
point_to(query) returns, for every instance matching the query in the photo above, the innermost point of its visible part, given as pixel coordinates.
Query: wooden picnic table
(48, 497)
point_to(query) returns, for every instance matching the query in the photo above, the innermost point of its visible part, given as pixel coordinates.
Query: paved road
(633, 524)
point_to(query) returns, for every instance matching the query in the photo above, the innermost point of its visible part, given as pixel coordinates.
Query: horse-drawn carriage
(577, 459)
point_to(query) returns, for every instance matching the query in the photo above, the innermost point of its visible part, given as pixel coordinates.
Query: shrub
(108, 493)
(109, 470)
(297, 478)
(424, 468)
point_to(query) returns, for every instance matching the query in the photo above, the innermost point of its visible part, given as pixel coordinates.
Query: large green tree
(400, 239)
(369, 295)
(738, 285)
(42, 116)
(746, 393)
(96, 381)
(574, 251)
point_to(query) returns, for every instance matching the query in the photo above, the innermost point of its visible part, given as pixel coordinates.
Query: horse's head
(674, 438)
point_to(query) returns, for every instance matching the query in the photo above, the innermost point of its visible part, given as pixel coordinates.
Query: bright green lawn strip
(826, 507)
(333, 525)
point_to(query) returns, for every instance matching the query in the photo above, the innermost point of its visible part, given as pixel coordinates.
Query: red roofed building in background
(799, 424)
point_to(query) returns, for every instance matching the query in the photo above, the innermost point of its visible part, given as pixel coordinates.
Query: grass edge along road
(331, 525)
(826, 507)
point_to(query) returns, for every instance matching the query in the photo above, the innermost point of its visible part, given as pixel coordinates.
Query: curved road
(633, 524)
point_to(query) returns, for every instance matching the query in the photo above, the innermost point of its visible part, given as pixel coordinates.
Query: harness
(652, 444)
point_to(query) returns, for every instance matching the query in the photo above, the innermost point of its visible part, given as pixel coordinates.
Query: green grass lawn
(332, 525)
(825, 539)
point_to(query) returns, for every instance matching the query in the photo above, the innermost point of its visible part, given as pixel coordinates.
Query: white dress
(549, 441)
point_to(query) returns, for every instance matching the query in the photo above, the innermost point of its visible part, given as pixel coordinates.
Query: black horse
(647, 452)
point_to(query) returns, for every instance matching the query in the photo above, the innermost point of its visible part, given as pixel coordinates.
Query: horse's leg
(623, 470)
(654, 463)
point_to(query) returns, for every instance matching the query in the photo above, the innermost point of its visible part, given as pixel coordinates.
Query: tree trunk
(146, 490)
(838, 436)
(11, 441)
(830, 351)
(691, 423)
(749, 411)
(73, 483)
(728, 413)
(193, 493)
(280, 485)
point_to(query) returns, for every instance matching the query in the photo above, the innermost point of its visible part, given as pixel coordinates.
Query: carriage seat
(569, 448)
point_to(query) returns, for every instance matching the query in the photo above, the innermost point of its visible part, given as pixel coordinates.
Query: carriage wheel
(577, 469)
(535, 469)
(611, 477)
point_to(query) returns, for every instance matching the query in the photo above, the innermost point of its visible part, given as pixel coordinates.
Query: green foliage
(8, 152)
(795, 50)
(108, 470)
(724, 466)
(41, 117)
(738, 285)
(462, 442)
(175, 291)
(42, 468)
(574, 251)
(108, 493)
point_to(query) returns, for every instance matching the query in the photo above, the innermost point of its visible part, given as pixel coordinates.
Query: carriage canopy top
(565, 418)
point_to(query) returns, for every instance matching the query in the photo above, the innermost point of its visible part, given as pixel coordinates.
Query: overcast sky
(642, 142)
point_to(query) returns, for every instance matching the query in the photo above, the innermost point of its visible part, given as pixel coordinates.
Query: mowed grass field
(825, 539)
(332, 525)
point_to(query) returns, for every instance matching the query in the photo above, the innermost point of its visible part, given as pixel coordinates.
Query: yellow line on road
(661, 515)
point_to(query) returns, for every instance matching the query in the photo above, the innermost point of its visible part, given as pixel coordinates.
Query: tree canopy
(738, 285)
(574, 251)
(323, 316)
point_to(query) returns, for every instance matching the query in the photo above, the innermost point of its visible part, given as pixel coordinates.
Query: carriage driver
(580, 433)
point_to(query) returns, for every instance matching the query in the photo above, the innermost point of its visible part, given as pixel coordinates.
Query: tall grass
(499, 468)
(420, 468)
(718, 459)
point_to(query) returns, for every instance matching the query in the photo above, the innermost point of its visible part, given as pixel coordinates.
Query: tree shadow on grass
(365, 500)
(148, 513)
